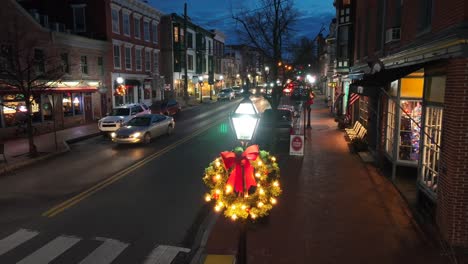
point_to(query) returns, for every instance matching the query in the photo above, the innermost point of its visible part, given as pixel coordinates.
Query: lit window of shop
(410, 123)
(434, 97)
(364, 110)
(72, 104)
(15, 111)
(389, 139)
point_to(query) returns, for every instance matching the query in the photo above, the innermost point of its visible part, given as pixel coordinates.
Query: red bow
(235, 178)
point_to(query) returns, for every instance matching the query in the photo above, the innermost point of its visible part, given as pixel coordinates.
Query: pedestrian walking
(309, 103)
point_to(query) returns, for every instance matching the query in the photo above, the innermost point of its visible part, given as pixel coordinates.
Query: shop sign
(296, 145)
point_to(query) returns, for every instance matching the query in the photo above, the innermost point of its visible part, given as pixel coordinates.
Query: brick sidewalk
(334, 209)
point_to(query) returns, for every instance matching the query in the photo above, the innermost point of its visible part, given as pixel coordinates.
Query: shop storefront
(130, 89)
(431, 138)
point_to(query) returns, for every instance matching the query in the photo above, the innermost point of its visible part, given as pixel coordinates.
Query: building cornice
(439, 49)
(139, 7)
(79, 41)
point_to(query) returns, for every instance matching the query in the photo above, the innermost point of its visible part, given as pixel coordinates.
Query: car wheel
(170, 130)
(147, 138)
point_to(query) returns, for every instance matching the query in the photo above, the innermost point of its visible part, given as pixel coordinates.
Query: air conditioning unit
(392, 34)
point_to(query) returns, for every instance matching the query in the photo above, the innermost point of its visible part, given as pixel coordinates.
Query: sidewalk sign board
(296, 145)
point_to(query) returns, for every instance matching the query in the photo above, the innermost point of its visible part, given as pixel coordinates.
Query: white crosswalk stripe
(106, 252)
(50, 251)
(164, 254)
(15, 239)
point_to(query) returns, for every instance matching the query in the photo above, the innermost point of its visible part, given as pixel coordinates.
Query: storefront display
(431, 147)
(410, 123)
(389, 139)
(14, 109)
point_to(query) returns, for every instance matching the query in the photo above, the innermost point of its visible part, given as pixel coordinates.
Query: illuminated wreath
(259, 198)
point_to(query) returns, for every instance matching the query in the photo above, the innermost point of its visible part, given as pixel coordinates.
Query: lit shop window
(389, 139)
(72, 104)
(431, 147)
(15, 111)
(410, 123)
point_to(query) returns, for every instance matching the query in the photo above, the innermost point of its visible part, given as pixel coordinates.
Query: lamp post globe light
(244, 121)
(120, 80)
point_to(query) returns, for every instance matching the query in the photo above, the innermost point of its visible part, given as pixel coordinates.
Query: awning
(83, 89)
(371, 83)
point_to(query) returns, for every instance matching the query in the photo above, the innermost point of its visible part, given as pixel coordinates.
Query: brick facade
(452, 202)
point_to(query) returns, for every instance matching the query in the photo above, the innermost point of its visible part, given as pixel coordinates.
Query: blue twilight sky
(216, 14)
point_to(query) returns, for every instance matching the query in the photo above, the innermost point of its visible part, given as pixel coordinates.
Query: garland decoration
(243, 183)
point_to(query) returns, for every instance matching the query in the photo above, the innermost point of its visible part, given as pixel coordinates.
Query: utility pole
(186, 97)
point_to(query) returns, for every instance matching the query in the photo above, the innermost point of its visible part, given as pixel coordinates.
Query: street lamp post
(244, 121)
(200, 86)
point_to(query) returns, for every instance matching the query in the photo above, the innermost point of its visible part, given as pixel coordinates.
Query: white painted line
(105, 253)
(164, 254)
(15, 239)
(50, 251)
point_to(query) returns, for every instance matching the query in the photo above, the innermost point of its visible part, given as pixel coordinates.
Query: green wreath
(259, 200)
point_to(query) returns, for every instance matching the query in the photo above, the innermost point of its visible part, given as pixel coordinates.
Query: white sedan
(142, 129)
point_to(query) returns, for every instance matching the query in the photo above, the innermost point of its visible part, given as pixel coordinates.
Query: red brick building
(410, 69)
(131, 30)
(76, 93)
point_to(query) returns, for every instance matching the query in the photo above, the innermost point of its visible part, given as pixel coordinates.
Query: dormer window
(79, 18)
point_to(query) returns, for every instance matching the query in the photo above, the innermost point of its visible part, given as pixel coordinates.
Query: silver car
(142, 129)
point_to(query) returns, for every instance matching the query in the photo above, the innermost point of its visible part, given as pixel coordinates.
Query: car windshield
(139, 121)
(120, 112)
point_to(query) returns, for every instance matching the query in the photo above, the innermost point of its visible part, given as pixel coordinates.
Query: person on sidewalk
(309, 103)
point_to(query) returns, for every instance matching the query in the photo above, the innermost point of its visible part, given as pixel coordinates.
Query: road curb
(202, 238)
(24, 163)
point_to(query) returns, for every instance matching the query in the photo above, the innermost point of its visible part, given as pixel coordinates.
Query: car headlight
(135, 135)
(113, 134)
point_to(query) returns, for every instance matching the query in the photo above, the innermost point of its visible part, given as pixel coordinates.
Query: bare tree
(29, 67)
(267, 28)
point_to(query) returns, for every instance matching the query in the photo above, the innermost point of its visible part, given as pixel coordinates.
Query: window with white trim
(389, 135)
(147, 60)
(115, 21)
(431, 147)
(84, 65)
(146, 30)
(190, 62)
(138, 59)
(137, 27)
(155, 33)
(116, 56)
(79, 18)
(128, 58)
(126, 23)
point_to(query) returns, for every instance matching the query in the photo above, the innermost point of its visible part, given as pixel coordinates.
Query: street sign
(296, 145)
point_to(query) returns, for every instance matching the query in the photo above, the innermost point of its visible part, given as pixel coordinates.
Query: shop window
(77, 104)
(67, 104)
(47, 109)
(410, 123)
(389, 139)
(412, 87)
(147, 90)
(15, 111)
(431, 147)
(435, 89)
(364, 110)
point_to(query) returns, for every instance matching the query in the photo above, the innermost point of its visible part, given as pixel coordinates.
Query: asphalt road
(103, 203)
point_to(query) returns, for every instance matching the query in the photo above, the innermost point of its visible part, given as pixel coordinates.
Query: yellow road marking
(103, 184)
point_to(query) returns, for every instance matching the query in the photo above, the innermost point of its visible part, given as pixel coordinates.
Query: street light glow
(120, 80)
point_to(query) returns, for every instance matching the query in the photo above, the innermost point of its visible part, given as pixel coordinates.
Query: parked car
(283, 127)
(142, 129)
(226, 94)
(121, 115)
(168, 107)
(237, 90)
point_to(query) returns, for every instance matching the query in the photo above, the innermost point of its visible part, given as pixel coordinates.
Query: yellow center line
(101, 185)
